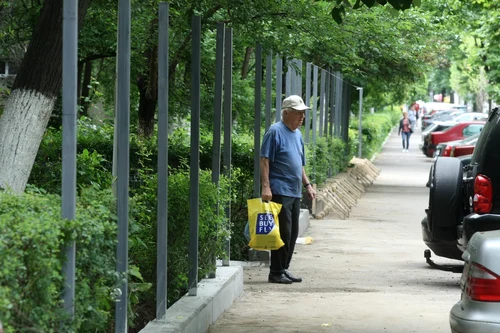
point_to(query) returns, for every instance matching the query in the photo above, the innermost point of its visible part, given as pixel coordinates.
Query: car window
(444, 117)
(472, 129)
(471, 140)
(444, 128)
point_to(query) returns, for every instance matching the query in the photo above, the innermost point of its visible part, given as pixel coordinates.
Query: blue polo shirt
(285, 150)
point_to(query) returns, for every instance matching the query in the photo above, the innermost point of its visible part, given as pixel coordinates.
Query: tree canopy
(392, 48)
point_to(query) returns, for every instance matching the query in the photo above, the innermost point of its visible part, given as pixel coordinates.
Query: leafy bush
(214, 229)
(32, 236)
(326, 158)
(376, 127)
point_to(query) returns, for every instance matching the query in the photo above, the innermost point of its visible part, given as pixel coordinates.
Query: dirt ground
(366, 274)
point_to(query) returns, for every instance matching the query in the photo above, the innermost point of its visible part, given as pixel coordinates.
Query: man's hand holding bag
(264, 224)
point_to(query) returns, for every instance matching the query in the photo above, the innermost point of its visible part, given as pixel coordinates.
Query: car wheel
(445, 198)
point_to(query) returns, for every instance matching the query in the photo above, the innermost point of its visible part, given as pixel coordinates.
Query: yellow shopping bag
(264, 224)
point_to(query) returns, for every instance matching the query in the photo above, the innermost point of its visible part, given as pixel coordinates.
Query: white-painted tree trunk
(22, 125)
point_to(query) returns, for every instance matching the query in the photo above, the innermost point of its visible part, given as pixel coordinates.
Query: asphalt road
(366, 274)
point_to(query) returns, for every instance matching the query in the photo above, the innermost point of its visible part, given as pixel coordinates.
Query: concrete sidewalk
(364, 274)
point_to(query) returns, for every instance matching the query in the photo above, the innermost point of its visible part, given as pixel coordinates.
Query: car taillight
(448, 151)
(482, 284)
(483, 195)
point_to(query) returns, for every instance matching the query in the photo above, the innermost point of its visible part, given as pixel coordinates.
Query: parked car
(467, 148)
(479, 306)
(457, 132)
(446, 115)
(456, 116)
(429, 109)
(436, 127)
(463, 196)
(429, 118)
(460, 116)
(456, 148)
(433, 107)
(462, 107)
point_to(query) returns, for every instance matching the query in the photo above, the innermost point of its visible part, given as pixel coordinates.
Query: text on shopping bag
(265, 223)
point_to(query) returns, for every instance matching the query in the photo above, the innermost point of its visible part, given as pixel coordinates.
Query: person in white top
(412, 116)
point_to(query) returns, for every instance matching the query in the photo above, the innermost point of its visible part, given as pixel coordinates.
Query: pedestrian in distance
(417, 113)
(405, 131)
(282, 161)
(412, 115)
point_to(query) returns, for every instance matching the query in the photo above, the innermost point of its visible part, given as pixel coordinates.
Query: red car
(457, 148)
(457, 132)
(463, 150)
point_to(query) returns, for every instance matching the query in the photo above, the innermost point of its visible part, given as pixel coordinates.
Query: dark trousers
(406, 139)
(289, 229)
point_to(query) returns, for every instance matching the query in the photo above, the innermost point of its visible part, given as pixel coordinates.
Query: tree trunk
(28, 108)
(147, 83)
(87, 75)
(246, 62)
(147, 107)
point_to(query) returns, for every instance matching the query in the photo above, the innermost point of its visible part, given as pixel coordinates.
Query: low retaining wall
(339, 194)
(195, 314)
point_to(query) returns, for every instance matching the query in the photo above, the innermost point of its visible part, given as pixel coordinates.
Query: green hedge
(32, 238)
(33, 234)
(375, 128)
(328, 157)
(95, 154)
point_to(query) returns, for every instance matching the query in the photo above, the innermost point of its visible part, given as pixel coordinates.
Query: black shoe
(281, 278)
(291, 277)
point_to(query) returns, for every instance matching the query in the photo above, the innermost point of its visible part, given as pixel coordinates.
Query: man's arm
(264, 179)
(311, 193)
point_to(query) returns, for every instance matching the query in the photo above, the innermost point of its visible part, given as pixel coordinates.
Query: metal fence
(328, 116)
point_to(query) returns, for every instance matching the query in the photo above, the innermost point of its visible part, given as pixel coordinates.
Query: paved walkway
(366, 274)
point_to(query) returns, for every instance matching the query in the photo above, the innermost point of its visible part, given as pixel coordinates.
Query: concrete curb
(340, 193)
(195, 314)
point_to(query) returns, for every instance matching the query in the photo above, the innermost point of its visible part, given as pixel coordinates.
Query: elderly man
(282, 160)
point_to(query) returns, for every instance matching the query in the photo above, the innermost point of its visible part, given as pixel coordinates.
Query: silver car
(478, 311)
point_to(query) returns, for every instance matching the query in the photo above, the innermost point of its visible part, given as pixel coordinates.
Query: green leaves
(32, 234)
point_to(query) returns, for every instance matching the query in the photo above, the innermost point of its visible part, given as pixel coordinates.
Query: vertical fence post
(123, 124)
(315, 103)
(308, 101)
(338, 105)
(327, 103)
(216, 142)
(346, 104)
(288, 80)
(340, 97)
(257, 112)
(298, 77)
(162, 209)
(321, 102)
(333, 121)
(194, 175)
(228, 125)
(68, 191)
(279, 86)
(293, 77)
(269, 84)
(344, 132)
(360, 125)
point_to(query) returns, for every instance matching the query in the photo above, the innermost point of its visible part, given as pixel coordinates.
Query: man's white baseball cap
(294, 102)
